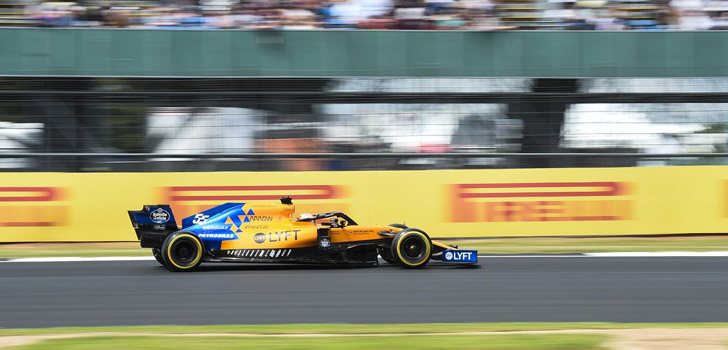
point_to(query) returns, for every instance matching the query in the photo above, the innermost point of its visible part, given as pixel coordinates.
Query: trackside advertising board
(444, 203)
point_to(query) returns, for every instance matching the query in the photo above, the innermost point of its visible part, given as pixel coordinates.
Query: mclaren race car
(266, 232)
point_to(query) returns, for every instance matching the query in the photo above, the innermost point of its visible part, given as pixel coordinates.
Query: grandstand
(478, 15)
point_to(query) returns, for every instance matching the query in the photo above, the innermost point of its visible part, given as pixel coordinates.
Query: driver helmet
(305, 216)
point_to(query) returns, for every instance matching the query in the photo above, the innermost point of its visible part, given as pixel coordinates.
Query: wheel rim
(413, 248)
(184, 252)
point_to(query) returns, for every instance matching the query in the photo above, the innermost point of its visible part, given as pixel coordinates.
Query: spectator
(389, 14)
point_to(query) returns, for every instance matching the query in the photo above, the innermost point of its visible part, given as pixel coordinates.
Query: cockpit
(337, 219)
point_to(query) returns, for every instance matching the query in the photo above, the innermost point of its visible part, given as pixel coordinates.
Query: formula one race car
(265, 232)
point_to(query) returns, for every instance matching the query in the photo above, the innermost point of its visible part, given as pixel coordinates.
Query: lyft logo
(460, 256)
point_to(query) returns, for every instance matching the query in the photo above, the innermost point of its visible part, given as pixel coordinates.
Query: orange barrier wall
(445, 203)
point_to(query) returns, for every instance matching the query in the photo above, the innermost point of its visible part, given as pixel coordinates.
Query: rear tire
(182, 251)
(412, 248)
(158, 256)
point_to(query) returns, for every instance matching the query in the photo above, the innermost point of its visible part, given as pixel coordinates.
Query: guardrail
(387, 97)
(315, 53)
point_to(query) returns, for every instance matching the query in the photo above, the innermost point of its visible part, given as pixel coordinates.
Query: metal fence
(357, 124)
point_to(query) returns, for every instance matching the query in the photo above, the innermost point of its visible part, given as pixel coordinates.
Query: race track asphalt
(688, 289)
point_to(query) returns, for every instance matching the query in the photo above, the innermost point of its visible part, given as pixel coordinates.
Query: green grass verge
(484, 342)
(336, 328)
(492, 246)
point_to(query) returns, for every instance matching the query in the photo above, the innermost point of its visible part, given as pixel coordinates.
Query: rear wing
(152, 224)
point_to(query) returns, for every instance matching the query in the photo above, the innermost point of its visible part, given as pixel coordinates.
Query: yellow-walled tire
(412, 248)
(182, 251)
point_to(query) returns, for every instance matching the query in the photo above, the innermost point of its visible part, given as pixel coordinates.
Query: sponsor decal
(249, 215)
(215, 227)
(467, 256)
(32, 207)
(259, 237)
(200, 219)
(279, 236)
(543, 201)
(159, 216)
(325, 243)
(258, 253)
(217, 236)
(725, 203)
(236, 222)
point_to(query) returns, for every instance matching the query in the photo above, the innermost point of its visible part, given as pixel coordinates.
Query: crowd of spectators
(372, 14)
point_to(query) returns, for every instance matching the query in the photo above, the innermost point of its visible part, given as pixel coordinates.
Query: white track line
(532, 256)
(660, 254)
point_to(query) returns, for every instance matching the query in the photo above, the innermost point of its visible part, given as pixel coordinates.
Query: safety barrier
(445, 203)
(364, 53)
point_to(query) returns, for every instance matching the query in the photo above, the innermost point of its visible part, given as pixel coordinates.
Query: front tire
(412, 248)
(182, 251)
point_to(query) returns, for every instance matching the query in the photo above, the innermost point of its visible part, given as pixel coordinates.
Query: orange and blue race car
(266, 232)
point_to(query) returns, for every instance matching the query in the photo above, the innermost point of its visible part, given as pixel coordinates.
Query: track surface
(502, 290)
